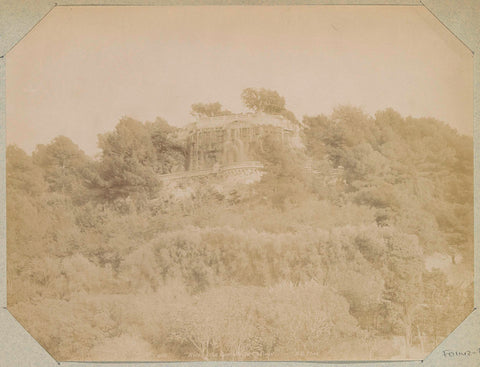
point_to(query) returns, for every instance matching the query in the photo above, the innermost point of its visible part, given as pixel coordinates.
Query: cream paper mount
(18, 348)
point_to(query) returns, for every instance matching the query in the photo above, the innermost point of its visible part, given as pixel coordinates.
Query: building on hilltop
(224, 146)
(227, 140)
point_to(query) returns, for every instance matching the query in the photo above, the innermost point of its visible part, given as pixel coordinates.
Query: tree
(266, 100)
(66, 167)
(403, 283)
(128, 160)
(22, 174)
(26, 221)
(284, 179)
(208, 110)
(263, 100)
(170, 151)
(314, 135)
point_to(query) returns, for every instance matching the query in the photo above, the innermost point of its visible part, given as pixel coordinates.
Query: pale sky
(82, 68)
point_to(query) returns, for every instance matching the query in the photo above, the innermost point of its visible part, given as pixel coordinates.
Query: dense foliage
(266, 100)
(328, 256)
(208, 110)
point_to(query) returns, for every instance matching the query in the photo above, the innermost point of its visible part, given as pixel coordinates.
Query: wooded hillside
(106, 263)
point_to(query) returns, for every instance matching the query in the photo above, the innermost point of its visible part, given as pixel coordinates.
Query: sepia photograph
(239, 183)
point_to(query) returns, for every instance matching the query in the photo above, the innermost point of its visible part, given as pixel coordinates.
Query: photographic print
(239, 183)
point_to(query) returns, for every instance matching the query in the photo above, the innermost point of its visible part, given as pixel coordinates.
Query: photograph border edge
(17, 344)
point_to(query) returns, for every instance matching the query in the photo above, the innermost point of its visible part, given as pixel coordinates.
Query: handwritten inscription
(455, 353)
